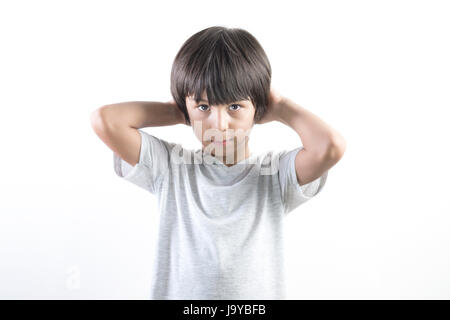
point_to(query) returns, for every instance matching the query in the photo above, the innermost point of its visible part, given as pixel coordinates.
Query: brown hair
(229, 63)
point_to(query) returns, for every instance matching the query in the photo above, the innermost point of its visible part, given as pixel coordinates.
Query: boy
(222, 208)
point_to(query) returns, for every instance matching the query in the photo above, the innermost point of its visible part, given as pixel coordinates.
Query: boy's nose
(221, 120)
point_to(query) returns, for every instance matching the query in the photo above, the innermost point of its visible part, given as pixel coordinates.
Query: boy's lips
(222, 141)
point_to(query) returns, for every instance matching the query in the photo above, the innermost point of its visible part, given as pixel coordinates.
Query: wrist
(282, 107)
(176, 112)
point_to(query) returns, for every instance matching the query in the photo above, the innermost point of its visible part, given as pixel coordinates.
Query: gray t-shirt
(221, 228)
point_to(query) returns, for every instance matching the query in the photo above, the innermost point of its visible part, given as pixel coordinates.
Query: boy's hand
(273, 108)
(177, 112)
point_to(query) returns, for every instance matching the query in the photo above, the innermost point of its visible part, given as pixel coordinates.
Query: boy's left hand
(273, 108)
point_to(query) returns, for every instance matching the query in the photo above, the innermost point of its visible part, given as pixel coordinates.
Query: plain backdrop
(376, 71)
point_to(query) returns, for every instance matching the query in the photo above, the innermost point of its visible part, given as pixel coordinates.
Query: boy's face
(213, 124)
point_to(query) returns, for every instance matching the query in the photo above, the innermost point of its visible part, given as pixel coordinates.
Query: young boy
(222, 208)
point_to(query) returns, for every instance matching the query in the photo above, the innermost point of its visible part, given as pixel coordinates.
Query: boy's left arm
(323, 146)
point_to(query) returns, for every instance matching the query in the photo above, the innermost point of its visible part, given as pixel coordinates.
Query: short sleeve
(292, 194)
(154, 157)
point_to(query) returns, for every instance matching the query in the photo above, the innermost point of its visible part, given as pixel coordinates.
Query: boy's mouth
(223, 141)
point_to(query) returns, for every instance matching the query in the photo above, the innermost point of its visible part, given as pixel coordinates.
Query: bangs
(223, 76)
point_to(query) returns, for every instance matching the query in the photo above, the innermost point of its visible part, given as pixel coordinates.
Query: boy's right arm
(117, 124)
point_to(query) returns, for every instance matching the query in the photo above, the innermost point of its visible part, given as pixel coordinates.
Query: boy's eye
(233, 105)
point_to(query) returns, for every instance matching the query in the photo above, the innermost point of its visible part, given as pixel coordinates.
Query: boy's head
(220, 80)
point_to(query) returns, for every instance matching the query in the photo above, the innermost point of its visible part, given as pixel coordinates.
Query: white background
(376, 71)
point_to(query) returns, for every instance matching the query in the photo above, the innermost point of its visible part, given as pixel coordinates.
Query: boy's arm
(117, 124)
(141, 114)
(323, 146)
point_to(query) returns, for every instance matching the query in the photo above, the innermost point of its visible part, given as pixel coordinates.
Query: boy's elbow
(98, 117)
(337, 147)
